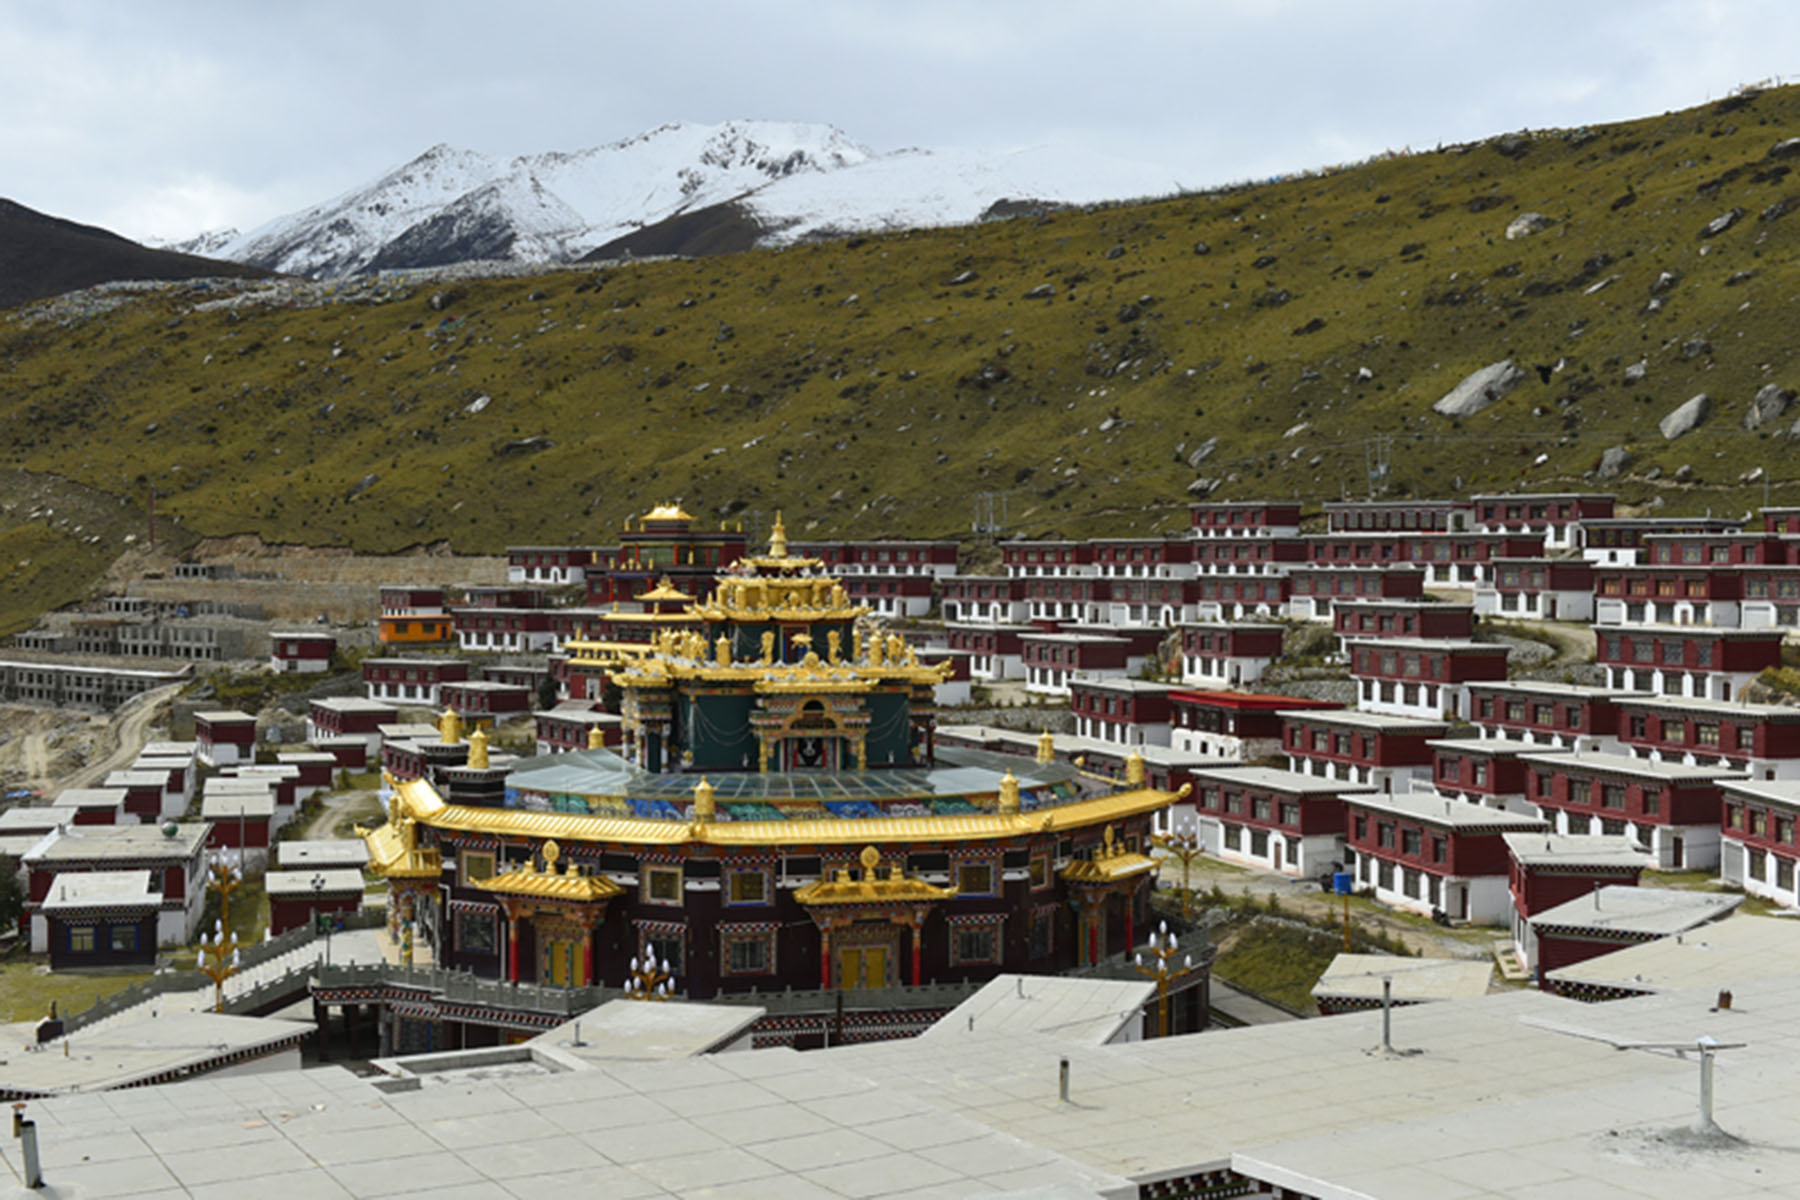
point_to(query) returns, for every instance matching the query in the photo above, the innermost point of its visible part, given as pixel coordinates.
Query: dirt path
(335, 809)
(1575, 644)
(36, 760)
(133, 730)
(1302, 897)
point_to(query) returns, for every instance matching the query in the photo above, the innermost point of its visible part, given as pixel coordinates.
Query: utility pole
(1378, 460)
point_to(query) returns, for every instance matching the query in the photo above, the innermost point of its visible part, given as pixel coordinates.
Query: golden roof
(394, 851)
(872, 888)
(548, 883)
(417, 800)
(664, 590)
(1110, 862)
(667, 512)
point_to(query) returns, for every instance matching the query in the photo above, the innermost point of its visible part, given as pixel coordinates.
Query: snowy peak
(786, 180)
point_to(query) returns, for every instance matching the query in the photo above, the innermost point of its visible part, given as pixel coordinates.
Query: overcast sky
(162, 118)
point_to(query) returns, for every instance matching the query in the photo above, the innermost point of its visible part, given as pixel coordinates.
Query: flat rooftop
(1435, 809)
(1576, 849)
(1724, 954)
(1414, 980)
(1625, 764)
(1637, 911)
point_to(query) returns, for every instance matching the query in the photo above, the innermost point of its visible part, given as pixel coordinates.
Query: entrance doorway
(863, 967)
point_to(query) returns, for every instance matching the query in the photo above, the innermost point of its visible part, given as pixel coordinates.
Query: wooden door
(862, 967)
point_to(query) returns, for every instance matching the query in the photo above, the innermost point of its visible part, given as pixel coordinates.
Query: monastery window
(1259, 843)
(975, 879)
(124, 937)
(1544, 714)
(1759, 823)
(1481, 773)
(477, 930)
(1384, 874)
(1515, 710)
(1384, 835)
(1706, 733)
(1234, 837)
(749, 887)
(1612, 825)
(667, 945)
(1756, 589)
(1652, 803)
(1290, 814)
(1540, 783)
(1787, 589)
(747, 949)
(662, 885)
(1672, 653)
(1639, 726)
(1438, 849)
(475, 864)
(1784, 829)
(1410, 842)
(1612, 795)
(1043, 931)
(1410, 883)
(975, 944)
(1703, 654)
(1260, 808)
(1039, 871)
(1674, 730)
(1362, 827)
(1449, 768)
(1643, 650)
(1234, 803)
(81, 939)
(1784, 873)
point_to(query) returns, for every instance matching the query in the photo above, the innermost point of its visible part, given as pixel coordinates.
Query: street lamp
(650, 982)
(1182, 843)
(318, 889)
(1162, 949)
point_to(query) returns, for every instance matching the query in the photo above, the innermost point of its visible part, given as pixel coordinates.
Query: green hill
(1075, 361)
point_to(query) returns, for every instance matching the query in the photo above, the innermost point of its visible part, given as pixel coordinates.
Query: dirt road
(132, 729)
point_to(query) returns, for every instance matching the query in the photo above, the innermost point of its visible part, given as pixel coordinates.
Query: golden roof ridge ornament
(1046, 747)
(449, 727)
(1009, 792)
(478, 750)
(778, 547)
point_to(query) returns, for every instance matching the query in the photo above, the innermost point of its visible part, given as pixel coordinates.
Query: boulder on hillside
(1686, 417)
(1721, 223)
(1637, 370)
(1526, 224)
(1043, 291)
(1614, 462)
(1487, 386)
(1785, 148)
(1768, 405)
(1202, 453)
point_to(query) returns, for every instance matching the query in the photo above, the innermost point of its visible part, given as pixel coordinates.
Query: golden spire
(450, 727)
(478, 750)
(703, 801)
(596, 738)
(1009, 792)
(1134, 768)
(1046, 751)
(778, 539)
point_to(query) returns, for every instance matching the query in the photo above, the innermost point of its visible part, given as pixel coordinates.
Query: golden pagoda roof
(419, 801)
(664, 590)
(1111, 862)
(667, 512)
(548, 883)
(394, 851)
(896, 887)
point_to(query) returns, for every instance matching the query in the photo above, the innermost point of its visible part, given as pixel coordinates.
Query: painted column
(512, 949)
(824, 957)
(1130, 903)
(587, 958)
(917, 950)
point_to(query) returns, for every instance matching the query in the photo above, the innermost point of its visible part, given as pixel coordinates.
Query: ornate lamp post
(1182, 843)
(648, 981)
(219, 954)
(1162, 949)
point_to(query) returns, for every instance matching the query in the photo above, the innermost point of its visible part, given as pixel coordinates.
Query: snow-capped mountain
(779, 182)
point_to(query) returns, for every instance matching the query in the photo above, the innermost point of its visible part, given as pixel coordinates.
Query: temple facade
(777, 814)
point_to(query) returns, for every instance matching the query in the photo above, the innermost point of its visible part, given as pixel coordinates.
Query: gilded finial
(870, 858)
(778, 547)
(768, 647)
(703, 801)
(551, 853)
(478, 750)
(834, 643)
(1134, 768)
(1009, 792)
(1046, 750)
(596, 738)
(1106, 839)
(722, 651)
(450, 727)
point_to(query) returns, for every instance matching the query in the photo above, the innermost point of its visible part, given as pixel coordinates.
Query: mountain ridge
(448, 205)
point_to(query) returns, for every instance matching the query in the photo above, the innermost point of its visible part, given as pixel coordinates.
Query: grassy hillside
(869, 386)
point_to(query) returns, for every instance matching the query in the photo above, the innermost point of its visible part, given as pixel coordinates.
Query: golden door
(862, 967)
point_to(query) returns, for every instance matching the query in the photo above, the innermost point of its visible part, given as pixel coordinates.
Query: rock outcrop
(1489, 385)
(1685, 418)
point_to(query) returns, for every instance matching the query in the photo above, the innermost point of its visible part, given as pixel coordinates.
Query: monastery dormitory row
(1417, 792)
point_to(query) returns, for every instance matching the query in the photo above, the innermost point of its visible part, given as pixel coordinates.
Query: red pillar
(824, 957)
(587, 958)
(917, 945)
(1096, 925)
(1130, 942)
(512, 950)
